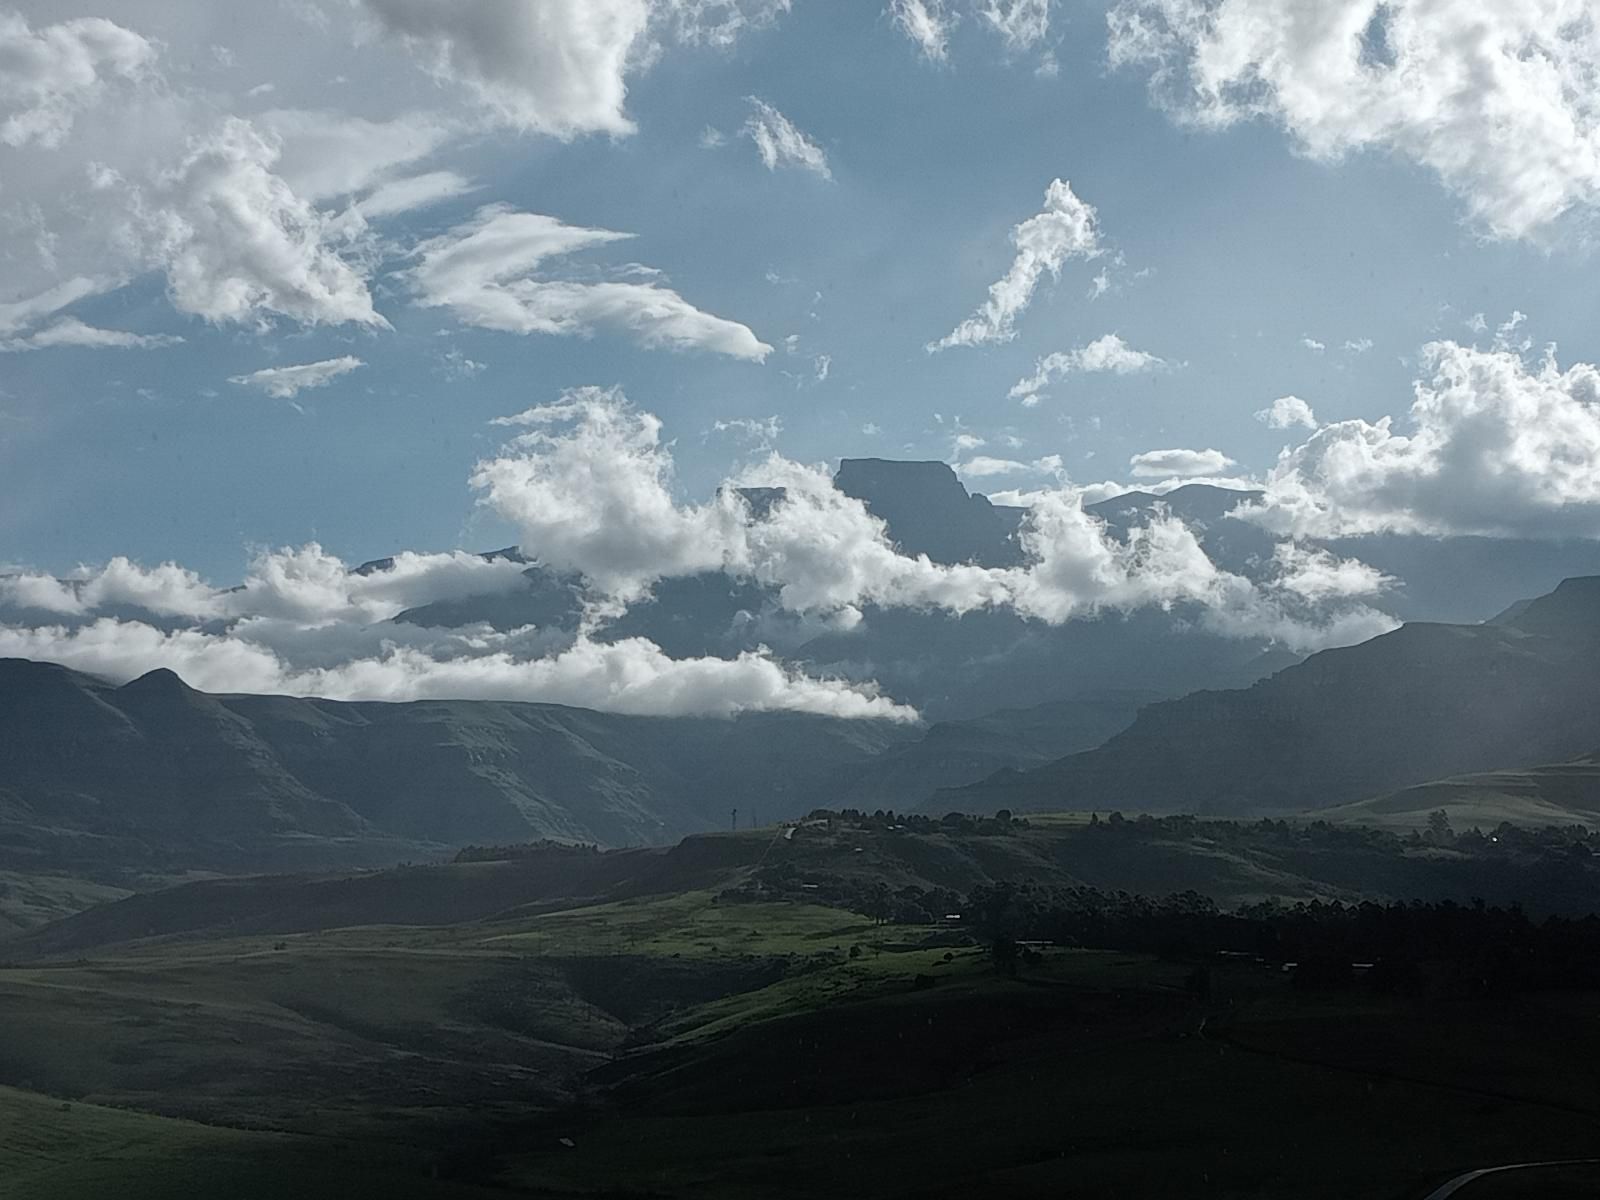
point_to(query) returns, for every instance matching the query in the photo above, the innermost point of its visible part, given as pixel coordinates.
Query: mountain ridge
(154, 776)
(1423, 702)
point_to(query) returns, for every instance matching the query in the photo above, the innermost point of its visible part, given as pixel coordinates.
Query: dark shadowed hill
(155, 776)
(959, 668)
(1422, 703)
(905, 775)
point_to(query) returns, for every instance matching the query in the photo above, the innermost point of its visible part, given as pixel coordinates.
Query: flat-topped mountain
(929, 511)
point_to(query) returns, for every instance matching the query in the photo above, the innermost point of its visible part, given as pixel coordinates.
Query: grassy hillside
(1094, 1076)
(1565, 793)
(844, 860)
(29, 900)
(55, 1150)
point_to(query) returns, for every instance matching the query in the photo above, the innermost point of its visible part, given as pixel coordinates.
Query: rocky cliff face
(930, 512)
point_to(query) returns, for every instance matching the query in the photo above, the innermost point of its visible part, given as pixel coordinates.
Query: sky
(273, 277)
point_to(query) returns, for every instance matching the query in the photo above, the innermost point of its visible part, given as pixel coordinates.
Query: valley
(561, 1022)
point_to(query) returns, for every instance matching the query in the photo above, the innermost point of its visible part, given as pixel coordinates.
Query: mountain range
(1425, 702)
(1142, 712)
(156, 777)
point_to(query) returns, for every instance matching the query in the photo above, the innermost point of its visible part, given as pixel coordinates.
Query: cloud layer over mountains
(589, 482)
(1493, 445)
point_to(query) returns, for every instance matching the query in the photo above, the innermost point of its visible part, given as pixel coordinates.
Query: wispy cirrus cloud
(69, 331)
(928, 23)
(488, 272)
(1066, 228)
(1105, 354)
(781, 143)
(284, 383)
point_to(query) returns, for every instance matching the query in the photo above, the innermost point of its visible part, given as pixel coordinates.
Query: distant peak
(159, 680)
(869, 473)
(929, 511)
(1571, 611)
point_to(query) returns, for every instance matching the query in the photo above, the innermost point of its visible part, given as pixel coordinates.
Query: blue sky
(292, 285)
(1235, 247)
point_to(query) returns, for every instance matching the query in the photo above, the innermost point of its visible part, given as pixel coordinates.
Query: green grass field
(684, 1045)
(50, 1150)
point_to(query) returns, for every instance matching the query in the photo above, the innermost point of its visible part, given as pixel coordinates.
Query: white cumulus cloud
(49, 75)
(1492, 445)
(1317, 575)
(304, 623)
(237, 243)
(1159, 464)
(591, 488)
(552, 66)
(1286, 412)
(982, 466)
(1498, 100)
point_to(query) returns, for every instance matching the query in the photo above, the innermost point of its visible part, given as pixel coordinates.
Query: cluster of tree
(539, 849)
(907, 905)
(888, 821)
(1504, 841)
(1490, 949)
(1494, 949)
